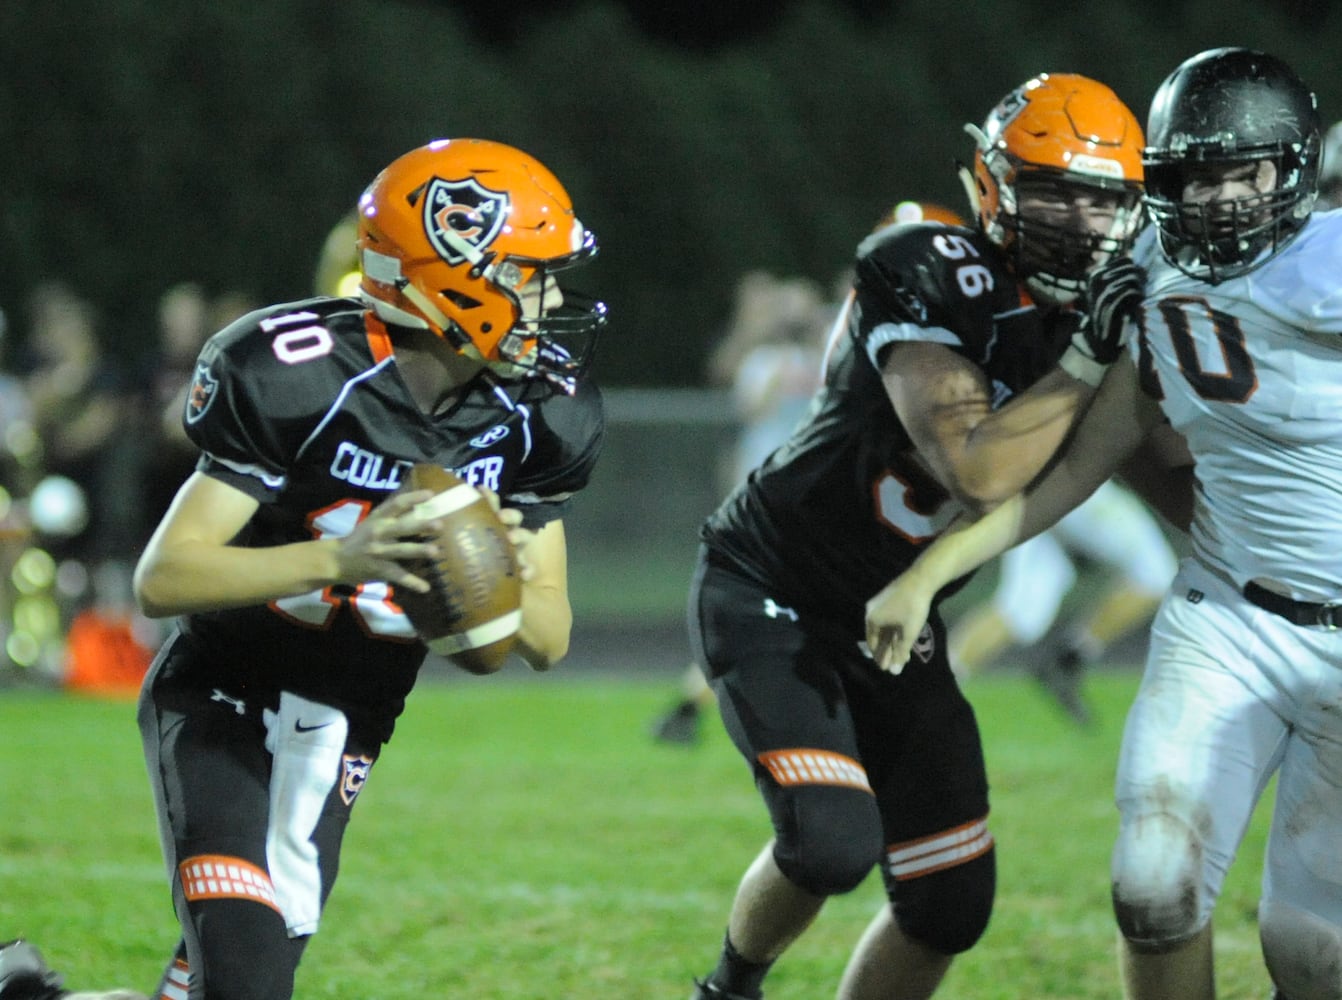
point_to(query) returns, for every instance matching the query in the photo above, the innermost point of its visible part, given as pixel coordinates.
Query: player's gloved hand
(1114, 290)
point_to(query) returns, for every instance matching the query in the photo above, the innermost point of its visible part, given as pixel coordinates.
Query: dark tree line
(151, 141)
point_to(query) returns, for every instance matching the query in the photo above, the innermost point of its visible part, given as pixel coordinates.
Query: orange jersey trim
(806, 766)
(379, 341)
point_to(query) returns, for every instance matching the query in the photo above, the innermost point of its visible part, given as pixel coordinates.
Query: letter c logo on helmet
(467, 210)
(464, 237)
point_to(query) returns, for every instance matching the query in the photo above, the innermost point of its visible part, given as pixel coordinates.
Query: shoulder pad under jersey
(568, 433)
(926, 281)
(262, 382)
(1302, 285)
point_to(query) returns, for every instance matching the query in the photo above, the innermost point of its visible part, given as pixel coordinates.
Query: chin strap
(435, 316)
(971, 188)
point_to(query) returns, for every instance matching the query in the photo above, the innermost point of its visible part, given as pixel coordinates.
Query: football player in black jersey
(1236, 313)
(266, 710)
(960, 366)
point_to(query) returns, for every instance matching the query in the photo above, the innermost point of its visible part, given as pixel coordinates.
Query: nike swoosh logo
(300, 728)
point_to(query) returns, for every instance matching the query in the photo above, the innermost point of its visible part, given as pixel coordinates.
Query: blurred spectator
(82, 410)
(168, 457)
(775, 379)
(18, 462)
(20, 452)
(82, 517)
(230, 305)
(35, 510)
(771, 355)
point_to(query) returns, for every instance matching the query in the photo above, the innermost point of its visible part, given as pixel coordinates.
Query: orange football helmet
(1058, 135)
(450, 234)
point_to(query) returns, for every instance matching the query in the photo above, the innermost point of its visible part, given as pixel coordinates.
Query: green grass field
(524, 838)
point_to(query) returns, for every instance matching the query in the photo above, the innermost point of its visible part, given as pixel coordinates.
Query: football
(473, 611)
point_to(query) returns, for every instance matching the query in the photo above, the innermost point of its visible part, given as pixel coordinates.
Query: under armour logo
(773, 609)
(238, 704)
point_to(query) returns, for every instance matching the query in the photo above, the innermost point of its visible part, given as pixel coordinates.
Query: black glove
(1114, 291)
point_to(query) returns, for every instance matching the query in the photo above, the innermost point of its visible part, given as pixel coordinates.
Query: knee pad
(1303, 952)
(826, 839)
(1158, 894)
(947, 910)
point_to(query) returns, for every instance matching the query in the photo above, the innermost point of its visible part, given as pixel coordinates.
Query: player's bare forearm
(547, 617)
(1113, 426)
(197, 576)
(1011, 446)
(898, 612)
(547, 623)
(981, 455)
(190, 565)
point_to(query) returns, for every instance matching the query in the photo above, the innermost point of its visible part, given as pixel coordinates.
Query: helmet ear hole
(460, 299)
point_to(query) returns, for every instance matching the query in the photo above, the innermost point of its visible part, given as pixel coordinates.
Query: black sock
(738, 975)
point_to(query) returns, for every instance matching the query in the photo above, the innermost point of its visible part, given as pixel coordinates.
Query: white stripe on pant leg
(305, 768)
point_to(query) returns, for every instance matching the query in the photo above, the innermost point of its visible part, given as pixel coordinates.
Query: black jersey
(302, 407)
(841, 508)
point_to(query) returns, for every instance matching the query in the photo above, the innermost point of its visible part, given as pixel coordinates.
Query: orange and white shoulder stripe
(915, 858)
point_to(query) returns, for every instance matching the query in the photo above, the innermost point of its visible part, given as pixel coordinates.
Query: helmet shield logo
(1005, 113)
(462, 212)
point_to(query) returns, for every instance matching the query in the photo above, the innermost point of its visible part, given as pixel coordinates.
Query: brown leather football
(473, 611)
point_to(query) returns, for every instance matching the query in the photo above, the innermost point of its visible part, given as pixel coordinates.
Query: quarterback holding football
(331, 431)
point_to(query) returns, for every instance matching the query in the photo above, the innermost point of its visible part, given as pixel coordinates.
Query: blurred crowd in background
(91, 453)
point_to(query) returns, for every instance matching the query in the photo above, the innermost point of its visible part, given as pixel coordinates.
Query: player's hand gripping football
(388, 541)
(1114, 291)
(895, 617)
(518, 535)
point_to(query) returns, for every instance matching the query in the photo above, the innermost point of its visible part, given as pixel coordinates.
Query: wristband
(1082, 367)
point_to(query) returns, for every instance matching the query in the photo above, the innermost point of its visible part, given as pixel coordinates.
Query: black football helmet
(1221, 109)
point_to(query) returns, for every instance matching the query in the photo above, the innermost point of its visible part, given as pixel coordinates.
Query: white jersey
(1250, 372)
